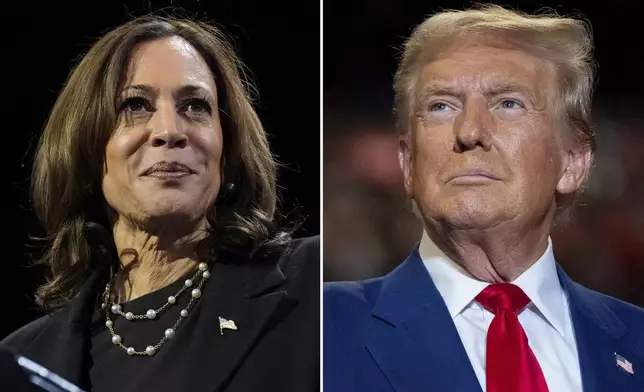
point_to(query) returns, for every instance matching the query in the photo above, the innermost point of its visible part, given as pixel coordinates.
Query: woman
(156, 186)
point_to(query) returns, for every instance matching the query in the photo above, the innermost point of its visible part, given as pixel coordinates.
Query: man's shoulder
(351, 296)
(620, 307)
(630, 315)
(21, 338)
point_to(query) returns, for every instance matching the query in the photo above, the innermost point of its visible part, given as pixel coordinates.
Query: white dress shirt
(546, 320)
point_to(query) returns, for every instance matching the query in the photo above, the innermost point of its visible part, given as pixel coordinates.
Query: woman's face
(163, 160)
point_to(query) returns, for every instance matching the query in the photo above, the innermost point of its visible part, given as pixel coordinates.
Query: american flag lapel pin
(226, 324)
(624, 364)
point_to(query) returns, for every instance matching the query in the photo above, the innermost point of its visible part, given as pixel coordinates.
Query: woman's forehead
(168, 63)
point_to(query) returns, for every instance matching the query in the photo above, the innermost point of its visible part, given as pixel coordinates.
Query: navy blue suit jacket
(395, 333)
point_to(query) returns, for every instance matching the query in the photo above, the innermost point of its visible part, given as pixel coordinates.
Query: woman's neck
(149, 262)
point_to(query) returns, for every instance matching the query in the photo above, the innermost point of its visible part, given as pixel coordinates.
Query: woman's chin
(168, 212)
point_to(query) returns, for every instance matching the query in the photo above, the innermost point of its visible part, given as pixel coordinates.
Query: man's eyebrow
(490, 90)
(434, 89)
(499, 88)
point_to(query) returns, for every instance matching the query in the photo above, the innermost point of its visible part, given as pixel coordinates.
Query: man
(495, 145)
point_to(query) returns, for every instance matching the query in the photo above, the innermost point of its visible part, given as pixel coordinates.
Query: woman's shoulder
(21, 338)
(305, 248)
(302, 260)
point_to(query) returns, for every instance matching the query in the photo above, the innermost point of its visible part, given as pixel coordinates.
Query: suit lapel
(63, 346)
(598, 333)
(249, 296)
(412, 337)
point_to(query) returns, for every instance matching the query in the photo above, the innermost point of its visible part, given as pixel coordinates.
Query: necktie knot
(503, 297)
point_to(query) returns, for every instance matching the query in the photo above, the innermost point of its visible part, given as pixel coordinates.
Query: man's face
(485, 147)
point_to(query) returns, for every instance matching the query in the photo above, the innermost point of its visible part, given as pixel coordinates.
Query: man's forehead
(482, 66)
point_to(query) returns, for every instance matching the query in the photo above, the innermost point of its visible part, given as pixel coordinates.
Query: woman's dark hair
(69, 161)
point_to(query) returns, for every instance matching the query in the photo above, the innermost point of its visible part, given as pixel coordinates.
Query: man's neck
(494, 255)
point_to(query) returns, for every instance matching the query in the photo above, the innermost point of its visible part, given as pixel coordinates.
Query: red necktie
(510, 363)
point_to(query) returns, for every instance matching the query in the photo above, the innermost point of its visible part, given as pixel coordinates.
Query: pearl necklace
(151, 314)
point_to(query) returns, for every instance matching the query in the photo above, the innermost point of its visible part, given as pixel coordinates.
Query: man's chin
(471, 216)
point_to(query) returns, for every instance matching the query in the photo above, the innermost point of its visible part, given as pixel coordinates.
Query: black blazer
(277, 349)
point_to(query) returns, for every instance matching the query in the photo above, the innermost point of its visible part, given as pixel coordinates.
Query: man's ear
(576, 167)
(405, 162)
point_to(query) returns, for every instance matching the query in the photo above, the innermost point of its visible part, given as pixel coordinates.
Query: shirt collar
(540, 283)
(456, 287)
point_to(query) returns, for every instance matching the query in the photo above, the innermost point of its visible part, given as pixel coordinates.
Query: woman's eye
(197, 106)
(134, 105)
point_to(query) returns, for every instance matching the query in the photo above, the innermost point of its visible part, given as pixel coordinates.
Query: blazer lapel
(247, 295)
(412, 336)
(598, 333)
(62, 347)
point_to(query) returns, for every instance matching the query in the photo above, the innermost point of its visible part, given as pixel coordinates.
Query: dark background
(41, 43)
(368, 229)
